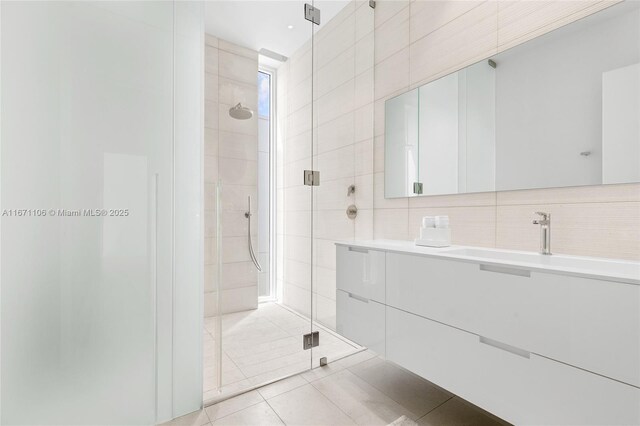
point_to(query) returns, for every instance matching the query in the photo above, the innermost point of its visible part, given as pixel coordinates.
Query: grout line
(384, 393)
(236, 365)
(435, 408)
(552, 26)
(330, 401)
(274, 411)
(562, 203)
(480, 3)
(237, 411)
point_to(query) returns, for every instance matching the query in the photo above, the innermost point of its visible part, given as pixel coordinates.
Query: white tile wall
(465, 40)
(231, 148)
(392, 35)
(341, 146)
(519, 21)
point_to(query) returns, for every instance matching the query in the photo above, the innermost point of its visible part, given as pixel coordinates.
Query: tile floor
(361, 389)
(262, 345)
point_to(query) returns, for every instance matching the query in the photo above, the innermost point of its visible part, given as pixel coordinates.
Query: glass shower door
(342, 151)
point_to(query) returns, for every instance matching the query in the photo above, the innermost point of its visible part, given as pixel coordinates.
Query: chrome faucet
(545, 231)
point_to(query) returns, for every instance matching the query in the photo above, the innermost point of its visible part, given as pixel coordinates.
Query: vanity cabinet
(531, 346)
(360, 296)
(517, 386)
(361, 271)
(591, 324)
(361, 320)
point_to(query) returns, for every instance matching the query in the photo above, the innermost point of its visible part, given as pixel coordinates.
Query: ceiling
(264, 24)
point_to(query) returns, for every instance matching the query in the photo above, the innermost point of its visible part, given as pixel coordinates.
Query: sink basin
(595, 265)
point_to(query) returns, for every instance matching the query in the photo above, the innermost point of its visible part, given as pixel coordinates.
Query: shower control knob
(351, 190)
(352, 211)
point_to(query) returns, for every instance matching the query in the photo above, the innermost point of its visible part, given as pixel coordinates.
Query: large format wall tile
(392, 35)
(238, 68)
(592, 229)
(463, 41)
(391, 224)
(470, 226)
(334, 134)
(392, 74)
(232, 92)
(364, 54)
(428, 16)
(237, 145)
(519, 21)
(338, 38)
(336, 103)
(386, 9)
(238, 172)
(231, 158)
(335, 73)
(577, 194)
(211, 87)
(459, 200)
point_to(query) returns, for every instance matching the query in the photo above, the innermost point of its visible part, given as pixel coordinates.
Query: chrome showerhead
(240, 113)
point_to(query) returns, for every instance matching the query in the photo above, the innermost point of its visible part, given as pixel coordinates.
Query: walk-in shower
(277, 121)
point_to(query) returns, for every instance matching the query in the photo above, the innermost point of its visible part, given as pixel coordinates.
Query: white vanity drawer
(517, 386)
(361, 272)
(588, 323)
(361, 320)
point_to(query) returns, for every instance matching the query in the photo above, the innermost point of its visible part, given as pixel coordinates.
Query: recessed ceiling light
(290, 27)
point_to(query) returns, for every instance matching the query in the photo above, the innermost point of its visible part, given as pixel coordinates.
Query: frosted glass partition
(87, 167)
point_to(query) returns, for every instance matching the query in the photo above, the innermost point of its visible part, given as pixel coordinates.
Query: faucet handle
(545, 216)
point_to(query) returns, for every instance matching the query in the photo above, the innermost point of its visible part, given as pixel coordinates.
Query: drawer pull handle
(505, 270)
(505, 347)
(358, 249)
(362, 299)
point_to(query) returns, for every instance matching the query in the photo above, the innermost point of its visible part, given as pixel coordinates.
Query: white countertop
(622, 271)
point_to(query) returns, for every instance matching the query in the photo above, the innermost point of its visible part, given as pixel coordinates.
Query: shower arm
(248, 215)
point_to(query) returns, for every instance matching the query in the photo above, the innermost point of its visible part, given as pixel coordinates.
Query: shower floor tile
(263, 345)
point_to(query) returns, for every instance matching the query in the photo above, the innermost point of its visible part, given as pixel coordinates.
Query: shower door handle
(252, 254)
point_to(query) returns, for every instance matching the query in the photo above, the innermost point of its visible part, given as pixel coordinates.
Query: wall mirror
(560, 110)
